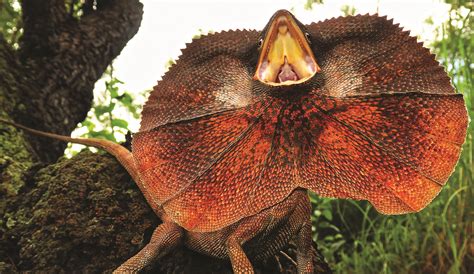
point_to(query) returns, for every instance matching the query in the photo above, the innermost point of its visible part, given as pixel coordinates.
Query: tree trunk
(81, 214)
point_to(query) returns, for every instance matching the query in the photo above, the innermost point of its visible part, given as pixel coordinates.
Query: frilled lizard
(246, 122)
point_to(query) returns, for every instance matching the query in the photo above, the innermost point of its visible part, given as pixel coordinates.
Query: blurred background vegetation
(353, 237)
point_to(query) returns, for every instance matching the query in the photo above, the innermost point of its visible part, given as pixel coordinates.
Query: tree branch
(61, 76)
(41, 19)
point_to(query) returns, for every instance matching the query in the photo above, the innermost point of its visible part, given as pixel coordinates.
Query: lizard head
(286, 57)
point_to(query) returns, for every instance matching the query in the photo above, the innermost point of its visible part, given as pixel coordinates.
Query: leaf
(87, 123)
(99, 110)
(113, 92)
(120, 123)
(327, 214)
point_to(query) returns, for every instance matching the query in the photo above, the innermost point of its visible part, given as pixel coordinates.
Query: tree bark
(82, 214)
(63, 57)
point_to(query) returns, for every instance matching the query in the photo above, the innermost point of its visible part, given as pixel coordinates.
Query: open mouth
(285, 58)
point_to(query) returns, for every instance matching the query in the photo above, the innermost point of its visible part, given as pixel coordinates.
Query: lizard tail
(123, 155)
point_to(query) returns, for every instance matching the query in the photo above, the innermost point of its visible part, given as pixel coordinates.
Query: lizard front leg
(245, 231)
(165, 238)
(303, 238)
(303, 253)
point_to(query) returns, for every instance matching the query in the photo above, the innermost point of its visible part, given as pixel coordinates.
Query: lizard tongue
(287, 73)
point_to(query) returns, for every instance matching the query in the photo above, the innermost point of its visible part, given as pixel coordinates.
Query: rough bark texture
(81, 214)
(62, 58)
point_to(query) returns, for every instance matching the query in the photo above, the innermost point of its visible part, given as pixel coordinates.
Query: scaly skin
(257, 237)
(380, 122)
(225, 160)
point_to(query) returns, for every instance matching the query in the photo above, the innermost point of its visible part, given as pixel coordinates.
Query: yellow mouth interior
(286, 57)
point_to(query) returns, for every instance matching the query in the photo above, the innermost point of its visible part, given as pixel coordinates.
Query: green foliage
(309, 4)
(169, 64)
(10, 21)
(348, 10)
(460, 3)
(455, 49)
(112, 109)
(436, 240)
(75, 7)
(200, 34)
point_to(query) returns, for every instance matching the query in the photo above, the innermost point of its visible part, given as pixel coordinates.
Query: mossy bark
(83, 214)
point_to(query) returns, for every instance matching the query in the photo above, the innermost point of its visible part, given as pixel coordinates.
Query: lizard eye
(260, 43)
(307, 37)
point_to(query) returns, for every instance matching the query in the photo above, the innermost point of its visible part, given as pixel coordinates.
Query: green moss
(15, 159)
(15, 156)
(75, 211)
